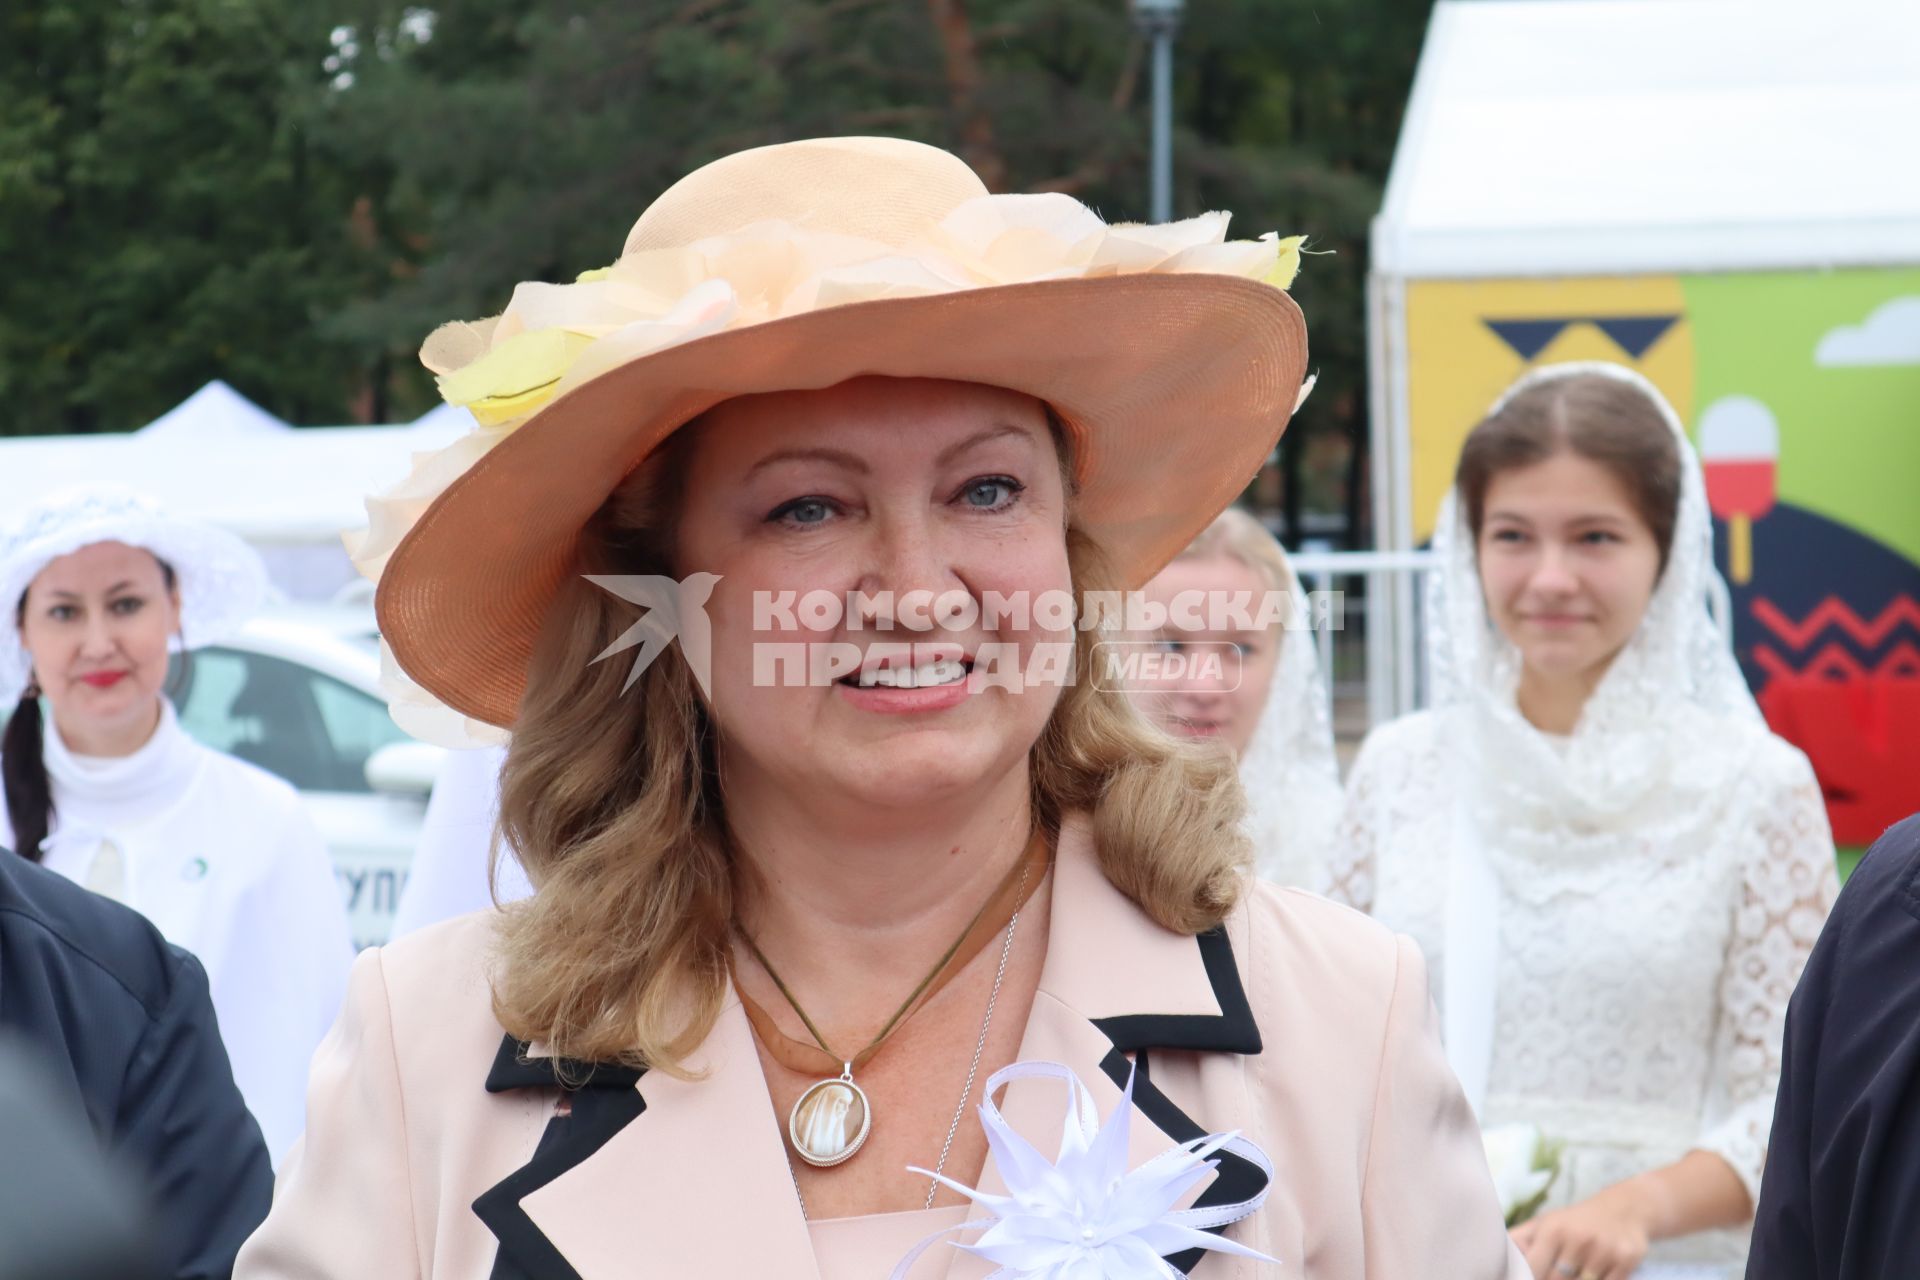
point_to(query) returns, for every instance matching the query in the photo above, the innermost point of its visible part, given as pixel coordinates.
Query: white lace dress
(1642, 982)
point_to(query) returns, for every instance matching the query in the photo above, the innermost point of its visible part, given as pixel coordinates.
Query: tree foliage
(291, 196)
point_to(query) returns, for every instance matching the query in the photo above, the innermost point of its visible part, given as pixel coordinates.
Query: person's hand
(1601, 1238)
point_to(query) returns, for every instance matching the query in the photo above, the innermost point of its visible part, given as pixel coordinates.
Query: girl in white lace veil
(1615, 910)
(1287, 766)
(1671, 690)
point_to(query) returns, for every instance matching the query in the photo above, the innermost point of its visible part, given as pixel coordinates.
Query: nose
(97, 641)
(1553, 575)
(907, 555)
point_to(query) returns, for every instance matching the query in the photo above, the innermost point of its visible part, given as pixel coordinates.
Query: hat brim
(1175, 389)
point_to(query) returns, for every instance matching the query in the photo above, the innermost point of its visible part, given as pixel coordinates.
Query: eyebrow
(1590, 517)
(858, 465)
(75, 595)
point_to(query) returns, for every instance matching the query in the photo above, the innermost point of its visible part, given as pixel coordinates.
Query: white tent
(1611, 136)
(214, 414)
(290, 493)
(1583, 172)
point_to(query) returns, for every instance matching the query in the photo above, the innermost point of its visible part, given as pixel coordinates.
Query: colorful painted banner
(1802, 391)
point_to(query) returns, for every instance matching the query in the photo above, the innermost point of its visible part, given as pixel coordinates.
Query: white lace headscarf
(1288, 771)
(1653, 736)
(221, 580)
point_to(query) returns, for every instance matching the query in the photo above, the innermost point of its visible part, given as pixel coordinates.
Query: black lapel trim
(1232, 1030)
(603, 1101)
(1237, 1178)
(513, 1069)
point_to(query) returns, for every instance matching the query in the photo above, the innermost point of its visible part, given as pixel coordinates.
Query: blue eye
(801, 511)
(991, 493)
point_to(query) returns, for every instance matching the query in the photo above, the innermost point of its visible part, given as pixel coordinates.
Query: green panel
(1849, 435)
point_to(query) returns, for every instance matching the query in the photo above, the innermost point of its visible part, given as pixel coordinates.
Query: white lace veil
(1289, 771)
(1640, 783)
(1669, 691)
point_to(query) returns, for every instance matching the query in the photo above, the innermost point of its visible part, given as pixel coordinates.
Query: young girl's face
(1220, 689)
(1566, 563)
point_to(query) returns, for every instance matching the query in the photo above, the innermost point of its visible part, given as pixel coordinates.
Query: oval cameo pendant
(830, 1121)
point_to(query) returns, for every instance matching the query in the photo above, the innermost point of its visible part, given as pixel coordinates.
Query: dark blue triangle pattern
(1528, 338)
(1634, 335)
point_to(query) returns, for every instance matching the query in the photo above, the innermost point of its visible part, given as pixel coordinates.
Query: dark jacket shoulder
(102, 940)
(122, 1024)
(1843, 1167)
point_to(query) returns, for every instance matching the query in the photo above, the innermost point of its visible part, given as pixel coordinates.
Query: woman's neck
(1552, 703)
(830, 894)
(112, 739)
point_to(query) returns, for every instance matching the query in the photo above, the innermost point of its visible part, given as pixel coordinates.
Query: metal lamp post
(1158, 20)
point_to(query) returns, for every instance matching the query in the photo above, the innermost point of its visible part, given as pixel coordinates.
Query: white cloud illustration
(1891, 335)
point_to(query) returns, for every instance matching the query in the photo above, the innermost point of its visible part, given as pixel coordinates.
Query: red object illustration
(1858, 720)
(1740, 456)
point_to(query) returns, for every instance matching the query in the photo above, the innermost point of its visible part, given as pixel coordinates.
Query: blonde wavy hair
(612, 804)
(1237, 535)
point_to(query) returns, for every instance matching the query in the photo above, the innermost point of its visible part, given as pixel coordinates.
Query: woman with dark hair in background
(1614, 869)
(109, 791)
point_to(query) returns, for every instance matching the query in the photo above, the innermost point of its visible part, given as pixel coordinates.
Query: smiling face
(96, 624)
(1220, 702)
(1567, 564)
(884, 487)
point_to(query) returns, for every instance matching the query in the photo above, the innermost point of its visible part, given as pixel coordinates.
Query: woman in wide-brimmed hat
(856, 849)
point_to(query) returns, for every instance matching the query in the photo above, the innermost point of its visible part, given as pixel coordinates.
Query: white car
(297, 693)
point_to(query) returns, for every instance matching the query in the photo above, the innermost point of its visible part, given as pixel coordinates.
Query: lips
(103, 679)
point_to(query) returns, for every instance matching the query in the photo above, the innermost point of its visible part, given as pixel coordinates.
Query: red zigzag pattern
(1903, 660)
(1835, 612)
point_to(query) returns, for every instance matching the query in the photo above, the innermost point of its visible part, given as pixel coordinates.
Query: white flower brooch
(1085, 1216)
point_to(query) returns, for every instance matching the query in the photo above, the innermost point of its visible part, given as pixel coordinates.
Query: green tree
(239, 188)
(160, 218)
(521, 139)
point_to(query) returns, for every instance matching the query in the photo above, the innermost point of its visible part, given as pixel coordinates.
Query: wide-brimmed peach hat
(1173, 356)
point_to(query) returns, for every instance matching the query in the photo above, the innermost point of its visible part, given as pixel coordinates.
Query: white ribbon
(1085, 1213)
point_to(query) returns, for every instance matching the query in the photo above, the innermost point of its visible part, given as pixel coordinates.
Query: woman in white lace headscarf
(1271, 709)
(1615, 870)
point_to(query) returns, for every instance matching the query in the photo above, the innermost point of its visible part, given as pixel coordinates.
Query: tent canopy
(269, 487)
(214, 413)
(1618, 136)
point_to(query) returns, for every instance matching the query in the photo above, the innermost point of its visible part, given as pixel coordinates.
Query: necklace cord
(1036, 849)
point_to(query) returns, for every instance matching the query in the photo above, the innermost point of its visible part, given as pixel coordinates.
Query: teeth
(945, 671)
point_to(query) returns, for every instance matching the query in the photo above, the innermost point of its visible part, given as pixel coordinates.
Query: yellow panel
(1458, 365)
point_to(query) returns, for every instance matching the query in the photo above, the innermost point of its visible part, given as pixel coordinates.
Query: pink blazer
(437, 1147)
